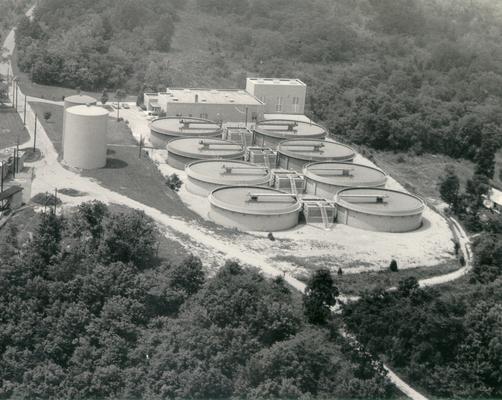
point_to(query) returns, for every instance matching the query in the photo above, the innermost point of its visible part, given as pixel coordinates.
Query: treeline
(88, 311)
(399, 75)
(95, 44)
(10, 12)
(449, 344)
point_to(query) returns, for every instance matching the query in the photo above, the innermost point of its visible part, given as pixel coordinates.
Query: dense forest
(88, 311)
(403, 75)
(10, 12)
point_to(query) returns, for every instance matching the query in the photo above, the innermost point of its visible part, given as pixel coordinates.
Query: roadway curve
(51, 174)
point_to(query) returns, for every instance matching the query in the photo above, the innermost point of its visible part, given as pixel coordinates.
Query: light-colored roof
(87, 110)
(290, 129)
(356, 175)
(185, 127)
(200, 148)
(237, 199)
(228, 172)
(80, 99)
(394, 203)
(277, 81)
(316, 150)
(210, 96)
(496, 196)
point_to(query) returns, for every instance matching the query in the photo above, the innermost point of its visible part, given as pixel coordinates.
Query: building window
(296, 102)
(203, 115)
(278, 106)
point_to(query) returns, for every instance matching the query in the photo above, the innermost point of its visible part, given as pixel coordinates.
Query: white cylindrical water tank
(85, 141)
(75, 100)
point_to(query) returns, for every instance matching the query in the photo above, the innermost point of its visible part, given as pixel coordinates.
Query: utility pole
(24, 111)
(13, 92)
(246, 117)
(1, 178)
(140, 146)
(17, 94)
(14, 165)
(35, 133)
(17, 158)
(55, 199)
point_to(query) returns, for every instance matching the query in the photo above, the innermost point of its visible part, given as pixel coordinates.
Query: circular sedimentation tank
(181, 152)
(75, 100)
(295, 154)
(85, 143)
(163, 130)
(271, 132)
(325, 179)
(205, 176)
(252, 208)
(380, 210)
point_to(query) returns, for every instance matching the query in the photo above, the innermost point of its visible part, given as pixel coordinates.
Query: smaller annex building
(282, 96)
(219, 105)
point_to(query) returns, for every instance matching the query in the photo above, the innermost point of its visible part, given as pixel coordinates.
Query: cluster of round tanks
(181, 152)
(378, 209)
(295, 154)
(163, 130)
(85, 141)
(252, 208)
(325, 179)
(205, 176)
(271, 132)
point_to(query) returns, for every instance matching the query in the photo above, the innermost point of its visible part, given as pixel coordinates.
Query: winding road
(51, 174)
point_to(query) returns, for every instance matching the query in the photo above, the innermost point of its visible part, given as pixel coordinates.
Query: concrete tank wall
(379, 223)
(201, 188)
(71, 101)
(258, 223)
(325, 190)
(85, 144)
(180, 162)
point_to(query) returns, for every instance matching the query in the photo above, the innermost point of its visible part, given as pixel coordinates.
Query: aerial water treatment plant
(325, 179)
(205, 176)
(181, 152)
(270, 133)
(163, 130)
(378, 209)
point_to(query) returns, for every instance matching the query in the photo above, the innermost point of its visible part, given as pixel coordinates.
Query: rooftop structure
(279, 95)
(381, 210)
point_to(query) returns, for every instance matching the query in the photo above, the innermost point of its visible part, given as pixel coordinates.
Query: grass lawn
(11, 128)
(125, 173)
(55, 93)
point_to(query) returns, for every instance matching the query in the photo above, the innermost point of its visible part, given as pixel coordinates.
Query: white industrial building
(280, 96)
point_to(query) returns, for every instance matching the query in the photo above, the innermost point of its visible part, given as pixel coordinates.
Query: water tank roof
(200, 148)
(316, 150)
(80, 99)
(186, 126)
(228, 172)
(87, 110)
(345, 174)
(290, 129)
(380, 201)
(254, 200)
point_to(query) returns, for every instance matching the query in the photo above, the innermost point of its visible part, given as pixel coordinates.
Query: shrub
(393, 266)
(271, 236)
(174, 182)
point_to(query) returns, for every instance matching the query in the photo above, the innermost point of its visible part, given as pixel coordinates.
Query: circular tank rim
(338, 158)
(265, 132)
(166, 132)
(200, 156)
(331, 181)
(87, 110)
(291, 208)
(258, 180)
(391, 213)
(80, 99)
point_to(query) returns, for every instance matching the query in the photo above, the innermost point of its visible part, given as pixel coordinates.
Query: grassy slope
(11, 129)
(125, 173)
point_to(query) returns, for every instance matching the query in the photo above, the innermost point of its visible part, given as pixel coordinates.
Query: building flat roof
(345, 174)
(228, 172)
(277, 81)
(290, 129)
(186, 126)
(316, 150)
(210, 96)
(394, 203)
(9, 192)
(200, 148)
(238, 199)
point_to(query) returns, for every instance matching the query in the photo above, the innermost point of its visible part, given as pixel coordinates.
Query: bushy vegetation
(449, 344)
(95, 44)
(10, 12)
(88, 311)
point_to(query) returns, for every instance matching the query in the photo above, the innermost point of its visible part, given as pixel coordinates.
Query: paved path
(51, 174)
